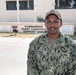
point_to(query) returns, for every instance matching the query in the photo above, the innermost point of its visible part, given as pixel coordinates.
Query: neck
(54, 36)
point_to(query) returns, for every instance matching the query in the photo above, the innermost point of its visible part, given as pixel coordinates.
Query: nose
(52, 24)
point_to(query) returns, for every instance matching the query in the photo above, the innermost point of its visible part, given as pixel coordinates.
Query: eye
(50, 22)
(55, 21)
(47, 21)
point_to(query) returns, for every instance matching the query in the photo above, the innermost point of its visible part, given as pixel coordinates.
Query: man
(52, 53)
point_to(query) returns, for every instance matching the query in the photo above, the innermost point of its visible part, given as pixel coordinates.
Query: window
(65, 4)
(23, 5)
(11, 5)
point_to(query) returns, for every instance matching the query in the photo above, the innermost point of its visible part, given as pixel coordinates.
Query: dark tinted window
(11, 5)
(65, 4)
(23, 5)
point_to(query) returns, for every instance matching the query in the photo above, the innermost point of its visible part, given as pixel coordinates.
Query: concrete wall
(33, 27)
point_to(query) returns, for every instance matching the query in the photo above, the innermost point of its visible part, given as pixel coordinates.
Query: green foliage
(40, 19)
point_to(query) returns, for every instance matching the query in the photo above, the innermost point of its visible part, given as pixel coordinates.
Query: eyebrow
(50, 20)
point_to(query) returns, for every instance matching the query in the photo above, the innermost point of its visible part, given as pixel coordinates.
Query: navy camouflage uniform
(56, 59)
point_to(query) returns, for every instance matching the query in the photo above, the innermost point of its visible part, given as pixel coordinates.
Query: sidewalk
(13, 55)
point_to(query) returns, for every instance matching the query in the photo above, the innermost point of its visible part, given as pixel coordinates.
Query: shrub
(40, 19)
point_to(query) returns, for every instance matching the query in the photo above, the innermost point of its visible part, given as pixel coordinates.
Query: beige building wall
(40, 9)
(11, 15)
(68, 15)
(6, 15)
(42, 6)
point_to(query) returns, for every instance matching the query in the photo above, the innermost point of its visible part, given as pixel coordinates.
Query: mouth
(52, 29)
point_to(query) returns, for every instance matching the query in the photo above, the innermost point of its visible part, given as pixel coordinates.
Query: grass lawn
(18, 35)
(23, 35)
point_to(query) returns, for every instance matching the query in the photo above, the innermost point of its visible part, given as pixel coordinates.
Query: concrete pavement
(13, 55)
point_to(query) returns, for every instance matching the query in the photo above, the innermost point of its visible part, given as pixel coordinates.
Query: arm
(31, 62)
(72, 63)
(73, 59)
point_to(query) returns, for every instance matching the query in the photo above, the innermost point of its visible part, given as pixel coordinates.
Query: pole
(35, 5)
(53, 4)
(58, 3)
(17, 10)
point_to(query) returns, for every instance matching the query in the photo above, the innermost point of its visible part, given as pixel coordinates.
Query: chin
(53, 33)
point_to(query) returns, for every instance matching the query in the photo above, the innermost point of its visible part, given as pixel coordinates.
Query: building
(29, 10)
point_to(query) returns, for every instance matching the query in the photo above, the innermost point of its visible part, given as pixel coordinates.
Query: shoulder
(68, 39)
(71, 45)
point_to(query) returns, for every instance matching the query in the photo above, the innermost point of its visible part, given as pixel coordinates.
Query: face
(53, 25)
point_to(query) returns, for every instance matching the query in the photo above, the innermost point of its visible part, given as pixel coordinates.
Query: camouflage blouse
(56, 59)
